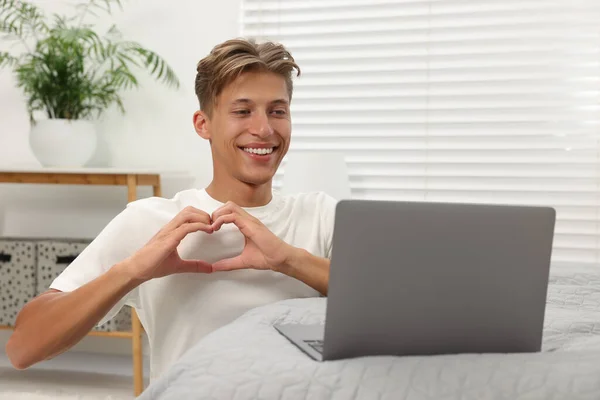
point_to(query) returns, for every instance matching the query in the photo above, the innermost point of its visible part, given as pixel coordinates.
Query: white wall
(156, 131)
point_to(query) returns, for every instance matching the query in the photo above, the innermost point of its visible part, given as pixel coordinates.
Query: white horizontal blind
(493, 101)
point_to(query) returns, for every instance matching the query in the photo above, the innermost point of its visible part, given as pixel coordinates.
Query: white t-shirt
(178, 310)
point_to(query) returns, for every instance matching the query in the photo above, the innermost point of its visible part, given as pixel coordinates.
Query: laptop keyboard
(315, 344)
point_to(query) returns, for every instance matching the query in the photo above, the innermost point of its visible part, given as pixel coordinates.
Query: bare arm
(55, 321)
(308, 268)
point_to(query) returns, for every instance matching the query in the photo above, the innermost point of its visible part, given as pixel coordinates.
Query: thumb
(194, 266)
(229, 264)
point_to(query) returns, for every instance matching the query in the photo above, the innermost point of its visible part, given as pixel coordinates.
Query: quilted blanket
(248, 359)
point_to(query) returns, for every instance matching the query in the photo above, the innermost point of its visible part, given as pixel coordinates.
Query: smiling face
(249, 128)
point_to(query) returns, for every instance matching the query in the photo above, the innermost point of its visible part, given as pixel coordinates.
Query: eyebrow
(248, 101)
(244, 101)
(281, 101)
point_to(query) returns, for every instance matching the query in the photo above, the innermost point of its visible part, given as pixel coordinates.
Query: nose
(260, 125)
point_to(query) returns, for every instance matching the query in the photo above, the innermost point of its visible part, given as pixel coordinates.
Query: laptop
(412, 279)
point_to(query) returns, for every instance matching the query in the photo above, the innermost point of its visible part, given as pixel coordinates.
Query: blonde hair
(229, 59)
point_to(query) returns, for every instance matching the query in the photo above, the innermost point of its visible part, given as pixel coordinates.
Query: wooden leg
(136, 326)
(157, 189)
(131, 188)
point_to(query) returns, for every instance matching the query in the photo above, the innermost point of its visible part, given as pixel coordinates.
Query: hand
(159, 257)
(263, 250)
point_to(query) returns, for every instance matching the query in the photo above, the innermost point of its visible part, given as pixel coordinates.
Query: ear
(202, 124)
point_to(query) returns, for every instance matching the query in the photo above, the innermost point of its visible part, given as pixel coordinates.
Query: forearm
(308, 268)
(53, 322)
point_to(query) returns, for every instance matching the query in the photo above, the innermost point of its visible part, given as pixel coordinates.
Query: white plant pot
(62, 142)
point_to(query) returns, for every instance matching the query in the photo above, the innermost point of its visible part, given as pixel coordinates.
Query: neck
(242, 194)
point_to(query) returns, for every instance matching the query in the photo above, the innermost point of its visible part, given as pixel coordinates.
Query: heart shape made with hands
(262, 250)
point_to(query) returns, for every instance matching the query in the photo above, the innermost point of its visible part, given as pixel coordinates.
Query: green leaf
(6, 59)
(114, 33)
(102, 5)
(72, 72)
(159, 67)
(21, 18)
(85, 9)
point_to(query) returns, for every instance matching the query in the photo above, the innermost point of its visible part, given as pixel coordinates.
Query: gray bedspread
(248, 359)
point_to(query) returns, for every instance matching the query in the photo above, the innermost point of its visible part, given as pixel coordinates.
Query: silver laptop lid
(431, 278)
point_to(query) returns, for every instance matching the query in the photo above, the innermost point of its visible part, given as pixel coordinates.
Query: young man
(194, 263)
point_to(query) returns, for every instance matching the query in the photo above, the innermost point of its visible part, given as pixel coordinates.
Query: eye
(242, 112)
(279, 112)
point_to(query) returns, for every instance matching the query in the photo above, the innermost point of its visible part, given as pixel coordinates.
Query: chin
(257, 180)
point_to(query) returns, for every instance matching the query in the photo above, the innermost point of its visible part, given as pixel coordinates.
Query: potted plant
(71, 75)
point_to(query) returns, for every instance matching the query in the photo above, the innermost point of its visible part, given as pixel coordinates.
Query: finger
(241, 222)
(228, 208)
(229, 264)
(187, 215)
(226, 219)
(194, 266)
(190, 218)
(186, 229)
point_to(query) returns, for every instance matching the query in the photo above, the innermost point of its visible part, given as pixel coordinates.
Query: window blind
(492, 101)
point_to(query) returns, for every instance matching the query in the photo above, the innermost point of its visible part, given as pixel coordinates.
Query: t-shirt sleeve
(328, 207)
(122, 237)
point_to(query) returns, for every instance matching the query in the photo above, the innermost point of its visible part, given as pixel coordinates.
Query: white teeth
(261, 151)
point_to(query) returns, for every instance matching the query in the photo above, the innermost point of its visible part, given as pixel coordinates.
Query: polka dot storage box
(53, 256)
(17, 277)
(28, 267)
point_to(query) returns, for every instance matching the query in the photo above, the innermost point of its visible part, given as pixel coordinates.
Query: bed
(248, 359)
